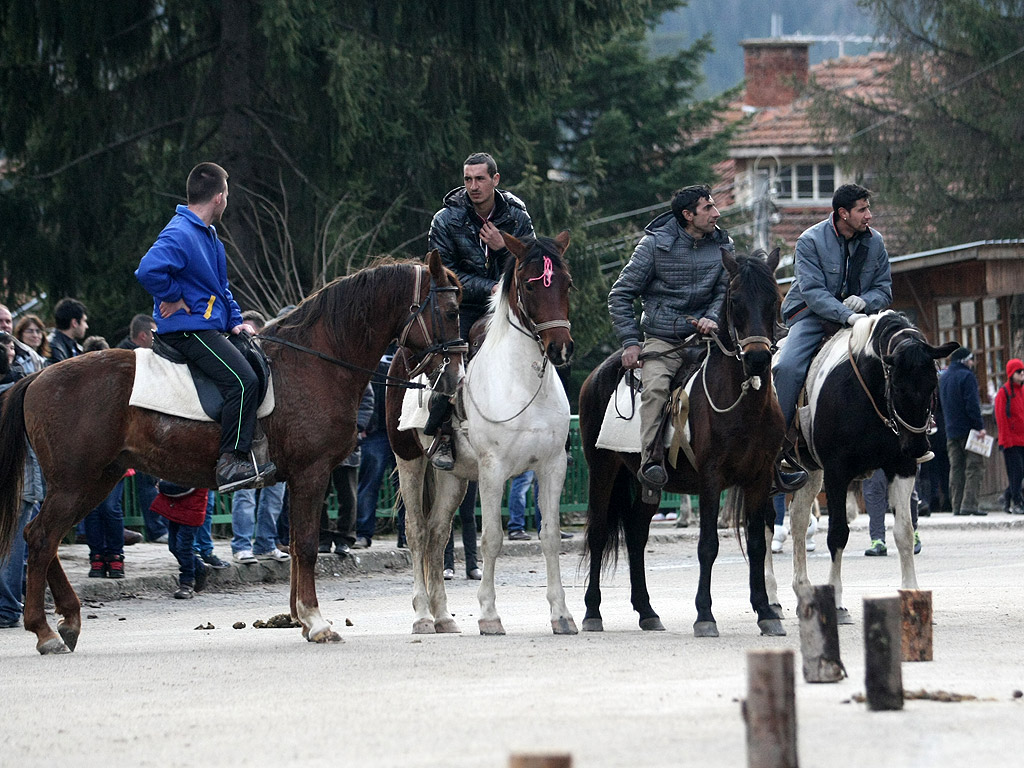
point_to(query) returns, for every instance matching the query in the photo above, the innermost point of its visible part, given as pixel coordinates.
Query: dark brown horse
(77, 417)
(736, 431)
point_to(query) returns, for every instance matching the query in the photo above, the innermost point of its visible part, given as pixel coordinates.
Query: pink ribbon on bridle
(547, 274)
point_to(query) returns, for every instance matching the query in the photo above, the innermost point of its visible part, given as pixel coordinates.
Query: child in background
(185, 510)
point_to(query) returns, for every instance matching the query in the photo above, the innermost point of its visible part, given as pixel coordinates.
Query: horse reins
(453, 346)
(896, 421)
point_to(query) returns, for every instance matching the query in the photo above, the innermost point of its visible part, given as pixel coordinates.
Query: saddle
(209, 395)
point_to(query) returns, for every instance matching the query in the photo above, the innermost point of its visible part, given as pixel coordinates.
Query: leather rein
(894, 421)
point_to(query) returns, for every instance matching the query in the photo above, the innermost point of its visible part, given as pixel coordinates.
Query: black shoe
(653, 475)
(566, 534)
(214, 562)
(131, 537)
(787, 482)
(324, 548)
(403, 543)
(201, 575)
(184, 592)
(237, 471)
(97, 567)
(518, 536)
(341, 549)
(443, 458)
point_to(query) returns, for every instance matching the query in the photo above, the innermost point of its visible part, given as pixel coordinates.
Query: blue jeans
(517, 501)
(104, 526)
(145, 492)
(377, 459)
(779, 502)
(790, 369)
(256, 516)
(203, 543)
(12, 571)
(181, 541)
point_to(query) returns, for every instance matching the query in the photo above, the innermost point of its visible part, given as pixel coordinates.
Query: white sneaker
(658, 517)
(245, 556)
(778, 539)
(274, 554)
(812, 528)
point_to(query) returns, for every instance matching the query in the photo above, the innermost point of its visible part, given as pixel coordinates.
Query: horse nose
(560, 354)
(757, 361)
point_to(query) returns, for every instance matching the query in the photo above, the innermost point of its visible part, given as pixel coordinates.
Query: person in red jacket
(185, 510)
(1009, 411)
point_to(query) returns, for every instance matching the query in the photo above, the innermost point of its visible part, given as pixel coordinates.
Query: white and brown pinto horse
(514, 416)
(870, 392)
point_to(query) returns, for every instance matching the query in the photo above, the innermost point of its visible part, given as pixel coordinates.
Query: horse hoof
(771, 627)
(593, 625)
(777, 607)
(327, 635)
(652, 624)
(52, 646)
(423, 627)
(447, 627)
(843, 616)
(564, 626)
(705, 629)
(491, 627)
(69, 635)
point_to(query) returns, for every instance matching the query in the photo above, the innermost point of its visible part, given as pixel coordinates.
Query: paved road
(145, 688)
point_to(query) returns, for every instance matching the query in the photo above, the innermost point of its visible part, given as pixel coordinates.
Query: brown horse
(77, 417)
(736, 430)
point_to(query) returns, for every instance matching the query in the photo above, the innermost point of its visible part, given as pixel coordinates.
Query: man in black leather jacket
(467, 232)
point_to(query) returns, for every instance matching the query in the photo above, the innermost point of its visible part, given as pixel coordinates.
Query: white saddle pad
(620, 428)
(414, 406)
(167, 387)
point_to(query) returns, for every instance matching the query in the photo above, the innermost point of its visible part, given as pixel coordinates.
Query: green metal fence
(573, 501)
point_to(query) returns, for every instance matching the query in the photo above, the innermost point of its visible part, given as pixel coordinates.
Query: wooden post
(819, 636)
(540, 761)
(770, 710)
(883, 677)
(916, 611)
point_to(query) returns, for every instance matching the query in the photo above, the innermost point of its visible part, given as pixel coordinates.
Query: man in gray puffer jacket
(676, 271)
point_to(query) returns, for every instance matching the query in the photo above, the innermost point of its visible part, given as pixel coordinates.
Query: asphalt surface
(146, 687)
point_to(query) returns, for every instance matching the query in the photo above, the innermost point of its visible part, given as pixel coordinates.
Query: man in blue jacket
(961, 408)
(195, 313)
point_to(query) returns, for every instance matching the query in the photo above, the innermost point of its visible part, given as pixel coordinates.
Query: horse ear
(435, 265)
(773, 260)
(729, 261)
(514, 245)
(562, 239)
(944, 351)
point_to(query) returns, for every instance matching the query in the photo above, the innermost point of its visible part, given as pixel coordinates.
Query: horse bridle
(895, 421)
(417, 309)
(531, 328)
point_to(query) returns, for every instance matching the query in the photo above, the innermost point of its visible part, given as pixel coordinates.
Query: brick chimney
(775, 69)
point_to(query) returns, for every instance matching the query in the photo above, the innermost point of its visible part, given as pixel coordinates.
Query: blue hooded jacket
(188, 262)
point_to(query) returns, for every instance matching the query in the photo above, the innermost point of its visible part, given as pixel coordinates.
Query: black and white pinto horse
(870, 393)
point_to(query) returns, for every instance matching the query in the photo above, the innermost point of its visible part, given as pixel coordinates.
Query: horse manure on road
(238, 625)
(280, 621)
(207, 625)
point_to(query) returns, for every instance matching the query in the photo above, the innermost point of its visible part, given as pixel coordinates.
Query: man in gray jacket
(841, 273)
(676, 271)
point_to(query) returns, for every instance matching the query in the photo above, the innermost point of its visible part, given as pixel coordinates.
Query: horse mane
(863, 331)
(872, 337)
(755, 275)
(345, 303)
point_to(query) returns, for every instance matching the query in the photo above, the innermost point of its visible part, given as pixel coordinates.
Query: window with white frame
(805, 181)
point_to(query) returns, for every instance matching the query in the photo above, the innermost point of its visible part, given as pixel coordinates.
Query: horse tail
(608, 524)
(732, 510)
(13, 445)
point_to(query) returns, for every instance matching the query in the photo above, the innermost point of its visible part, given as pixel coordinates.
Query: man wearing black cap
(961, 408)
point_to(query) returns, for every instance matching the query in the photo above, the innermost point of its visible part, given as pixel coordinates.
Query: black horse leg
(756, 515)
(637, 529)
(609, 501)
(836, 484)
(707, 551)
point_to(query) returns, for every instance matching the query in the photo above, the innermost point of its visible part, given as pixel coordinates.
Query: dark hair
(19, 333)
(686, 199)
(66, 311)
(139, 324)
(482, 158)
(94, 344)
(848, 195)
(205, 181)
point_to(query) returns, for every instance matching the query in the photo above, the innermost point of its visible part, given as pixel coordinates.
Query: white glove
(856, 303)
(852, 319)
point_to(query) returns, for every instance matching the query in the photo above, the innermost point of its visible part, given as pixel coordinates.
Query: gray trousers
(966, 469)
(876, 504)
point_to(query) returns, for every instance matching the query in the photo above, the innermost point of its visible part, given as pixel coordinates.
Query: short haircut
(482, 158)
(205, 182)
(848, 195)
(94, 344)
(686, 199)
(255, 317)
(66, 311)
(139, 324)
